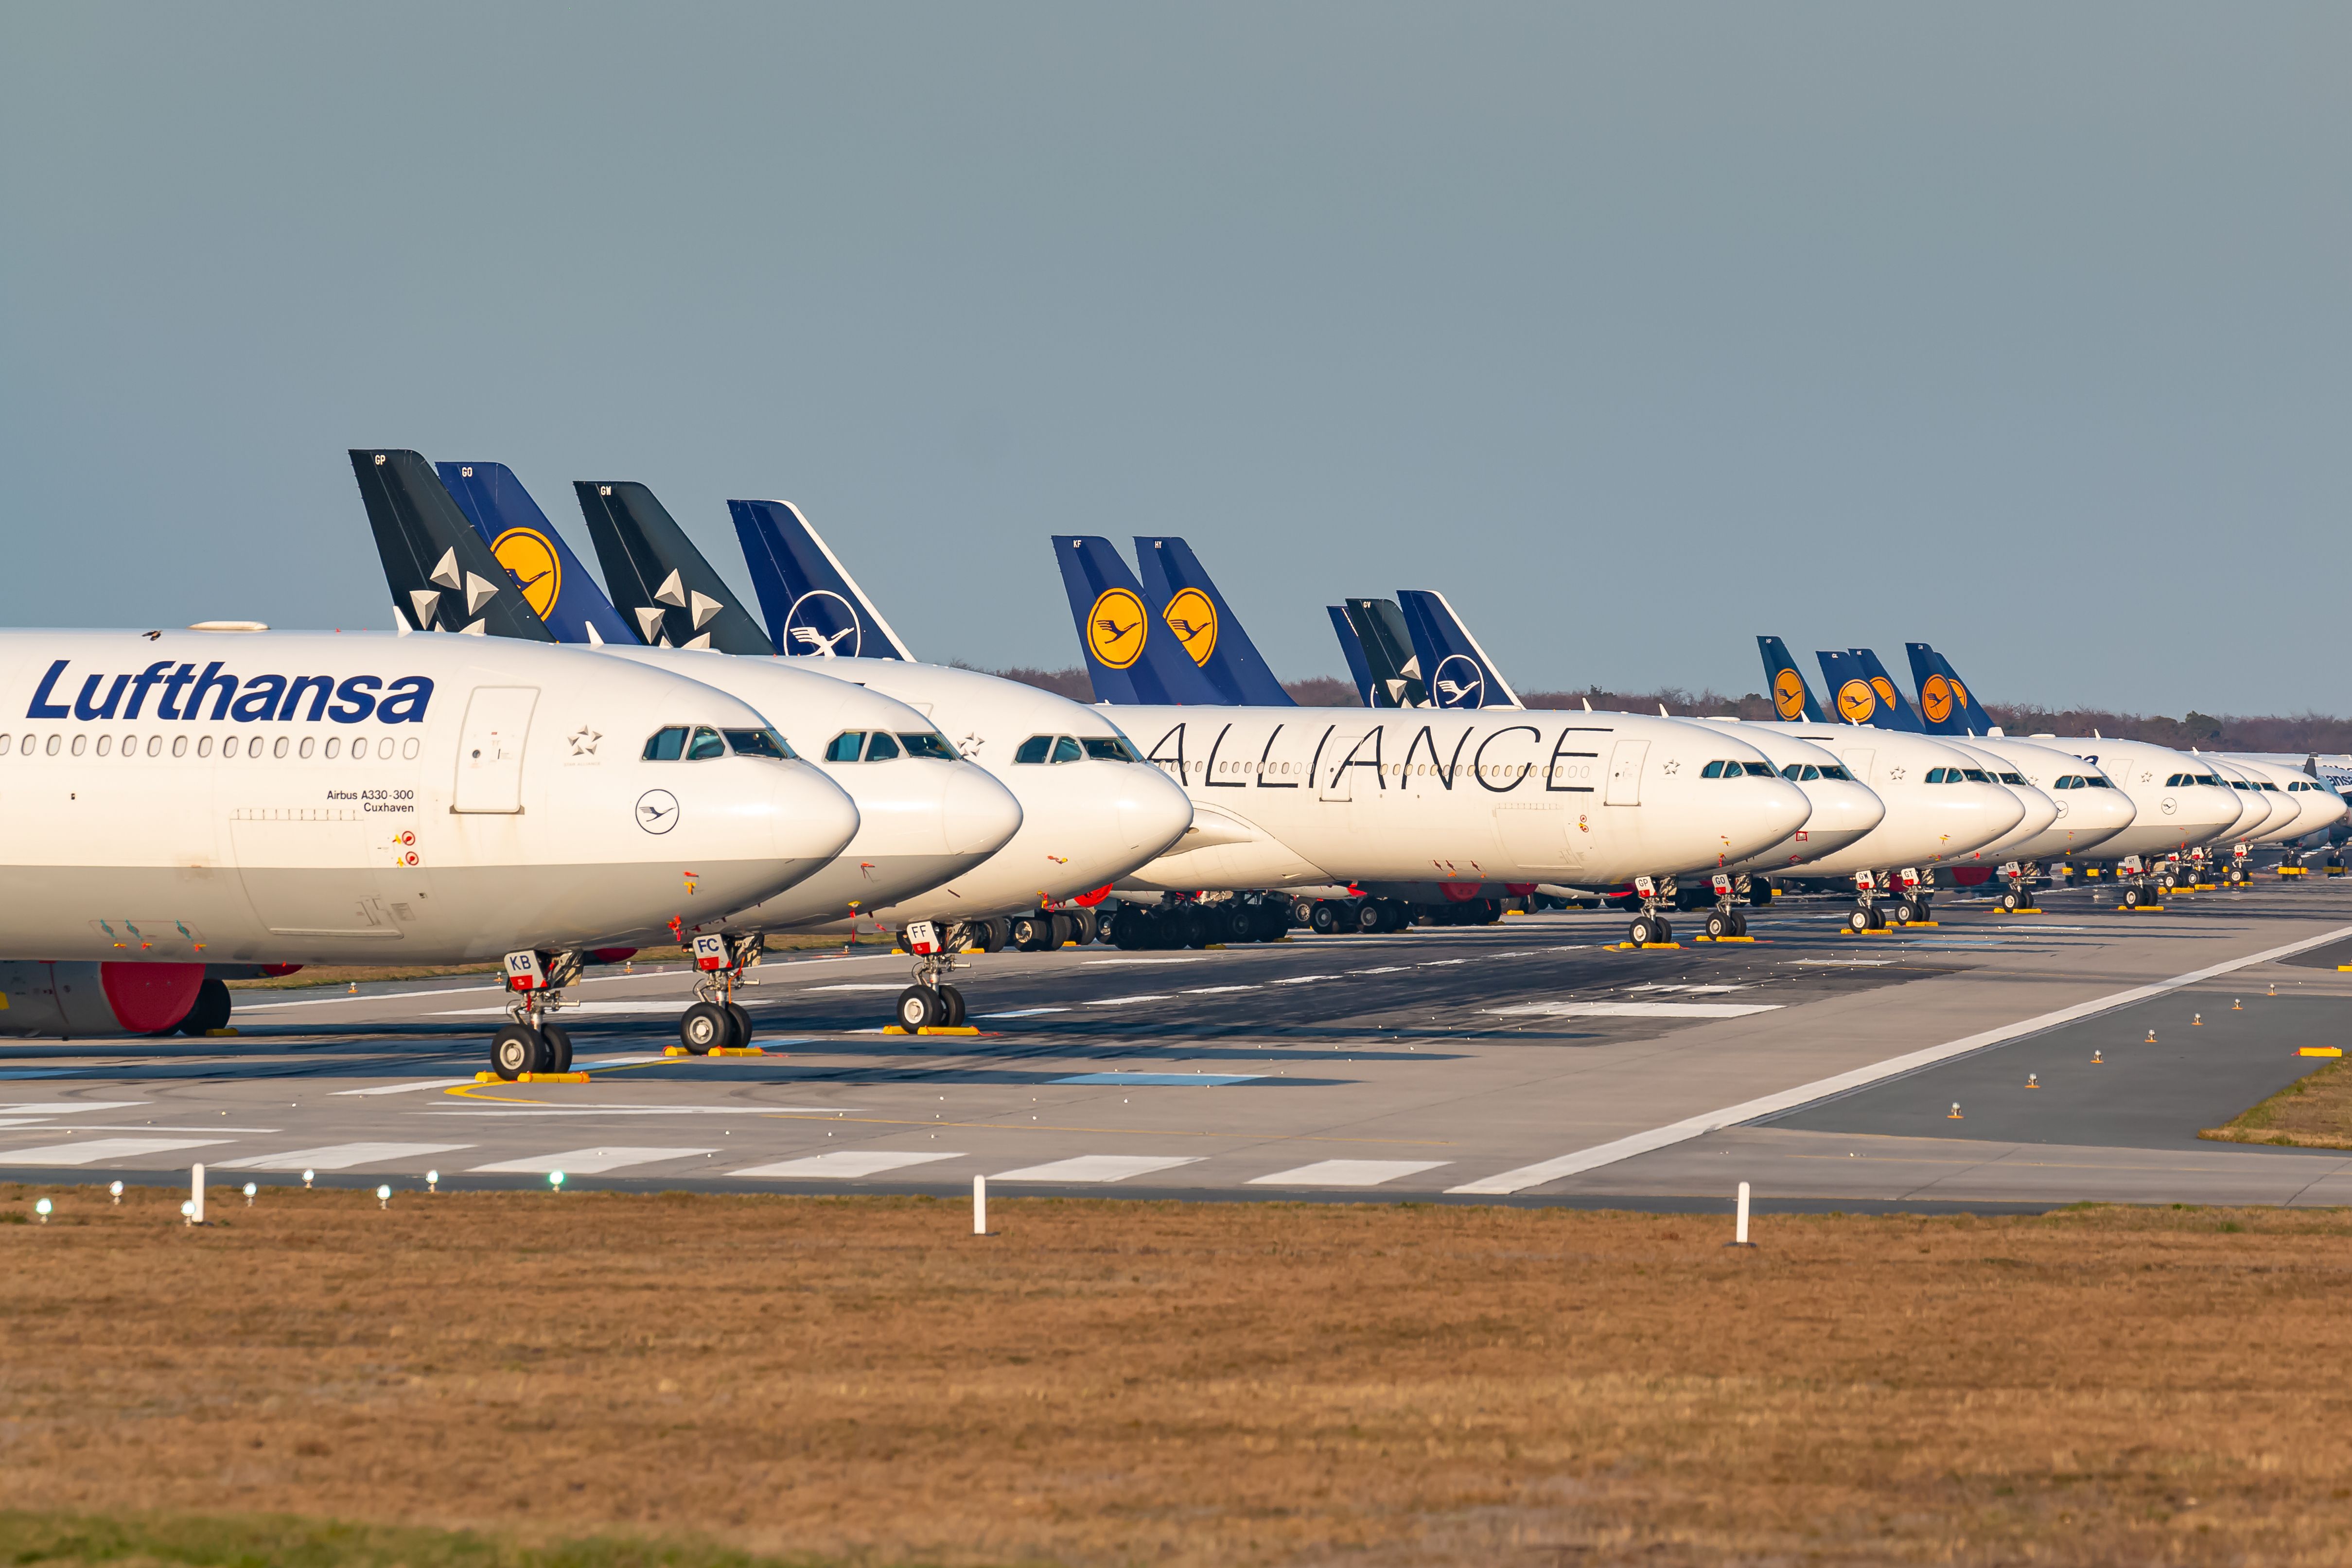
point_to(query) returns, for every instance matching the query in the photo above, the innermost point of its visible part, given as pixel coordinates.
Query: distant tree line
(2299, 732)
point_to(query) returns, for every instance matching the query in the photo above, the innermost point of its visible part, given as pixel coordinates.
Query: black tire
(1031, 933)
(514, 1051)
(1193, 927)
(743, 1022)
(1323, 919)
(1370, 916)
(989, 935)
(559, 1046)
(1089, 927)
(1860, 918)
(918, 1008)
(208, 1012)
(704, 1026)
(1665, 931)
(1738, 923)
(1239, 921)
(1065, 931)
(1718, 924)
(1907, 911)
(1643, 931)
(1760, 895)
(951, 1006)
(1272, 922)
(1131, 929)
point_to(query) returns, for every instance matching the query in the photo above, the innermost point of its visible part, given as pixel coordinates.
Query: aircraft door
(1625, 773)
(1340, 783)
(489, 748)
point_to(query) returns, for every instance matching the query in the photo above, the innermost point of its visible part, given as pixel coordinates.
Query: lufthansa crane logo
(819, 622)
(1194, 621)
(1959, 692)
(1885, 690)
(1789, 694)
(1114, 629)
(530, 559)
(657, 811)
(1458, 682)
(1855, 701)
(1936, 700)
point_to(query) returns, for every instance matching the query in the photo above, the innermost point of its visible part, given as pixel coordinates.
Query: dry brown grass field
(1109, 1381)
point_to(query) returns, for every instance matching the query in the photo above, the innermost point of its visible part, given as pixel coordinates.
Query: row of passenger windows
(881, 745)
(1731, 770)
(678, 744)
(1805, 773)
(107, 746)
(1071, 749)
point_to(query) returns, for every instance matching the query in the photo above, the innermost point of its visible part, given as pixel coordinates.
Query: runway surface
(1525, 1062)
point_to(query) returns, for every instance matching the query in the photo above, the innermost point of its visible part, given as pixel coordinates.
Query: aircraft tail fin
(1387, 646)
(1127, 663)
(1455, 668)
(1792, 698)
(814, 608)
(1855, 700)
(555, 584)
(672, 595)
(1945, 703)
(1177, 589)
(1895, 710)
(1351, 646)
(442, 573)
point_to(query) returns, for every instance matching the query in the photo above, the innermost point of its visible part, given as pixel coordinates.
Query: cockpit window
(666, 745)
(707, 743)
(846, 746)
(1035, 749)
(1110, 749)
(1977, 775)
(1756, 770)
(759, 744)
(1067, 750)
(2098, 781)
(881, 746)
(1831, 770)
(2214, 779)
(928, 744)
(2012, 778)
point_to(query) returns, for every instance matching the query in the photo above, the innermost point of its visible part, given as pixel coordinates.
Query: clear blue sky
(1636, 329)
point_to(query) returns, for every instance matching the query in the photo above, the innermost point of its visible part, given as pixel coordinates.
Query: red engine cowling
(83, 999)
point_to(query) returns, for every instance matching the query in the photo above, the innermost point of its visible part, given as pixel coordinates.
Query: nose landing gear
(1649, 928)
(716, 1022)
(530, 1045)
(931, 1002)
(1725, 922)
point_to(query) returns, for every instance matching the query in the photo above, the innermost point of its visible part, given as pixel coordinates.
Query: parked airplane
(1077, 828)
(180, 800)
(1426, 808)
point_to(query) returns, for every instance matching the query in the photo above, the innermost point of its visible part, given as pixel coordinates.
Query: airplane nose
(1154, 812)
(978, 815)
(1846, 811)
(1971, 815)
(1767, 814)
(811, 818)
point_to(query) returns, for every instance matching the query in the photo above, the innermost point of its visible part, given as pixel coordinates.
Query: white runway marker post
(195, 1195)
(1739, 1236)
(979, 1206)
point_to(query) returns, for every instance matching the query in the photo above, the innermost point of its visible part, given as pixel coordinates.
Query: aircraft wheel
(1644, 930)
(918, 1008)
(559, 1046)
(1268, 922)
(1738, 923)
(743, 1022)
(1238, 922)
(704, 1026)
(989, 936)
(1323, 919)
(1031, 933)
(1718, 924)
(1367, 917)
(514, 1051)
(1858, 917)
(1759, 894)
(951, 1007)
(1085, 928)
(210, 1011)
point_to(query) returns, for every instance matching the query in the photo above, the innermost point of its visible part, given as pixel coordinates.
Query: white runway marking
(1099, 963)
(1096, 1168)
(589, 1162)
(1675, 1133)
(894, 986)
(849, 1165)
(1301, 979)
(1635, 1009)
(1118, 1001)
(1845, 962)
(99, 1149)
(1347, 1173)
(1215, 990)
(423, 1083)
(67, 1107)
(1022, 1013)
(340, 1156)
(1383, 969)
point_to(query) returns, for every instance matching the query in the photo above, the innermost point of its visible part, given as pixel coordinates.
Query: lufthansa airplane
(1087, 812)
(181, 800)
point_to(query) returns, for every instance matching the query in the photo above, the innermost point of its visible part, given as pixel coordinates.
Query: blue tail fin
(1127, 662)
(1352, 648)
(1188, 605)
(553, 582)
(1792, 699)
(1455, 668)
(671, 592)
(812, 606)
(1894, 708)
(1386, 643)
(1851, 692)
(1945, 702)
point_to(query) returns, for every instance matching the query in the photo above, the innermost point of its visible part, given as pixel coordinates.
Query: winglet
(1792, 699)
(442, 573)
(814, 608)
(1179, 591)
(670, 592)
(1125, 659)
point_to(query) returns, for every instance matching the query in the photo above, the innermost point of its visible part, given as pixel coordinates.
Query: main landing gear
(530, 1044)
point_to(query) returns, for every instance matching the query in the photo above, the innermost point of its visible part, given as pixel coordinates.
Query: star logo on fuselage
(584, 741)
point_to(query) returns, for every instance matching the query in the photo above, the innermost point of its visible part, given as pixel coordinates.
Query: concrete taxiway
(1524, 1062)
